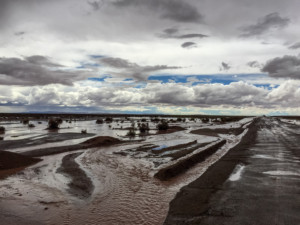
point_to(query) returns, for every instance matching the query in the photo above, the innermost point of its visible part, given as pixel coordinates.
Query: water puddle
(281, 173)
(237, 173)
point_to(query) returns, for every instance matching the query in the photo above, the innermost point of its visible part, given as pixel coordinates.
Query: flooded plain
(111, 181)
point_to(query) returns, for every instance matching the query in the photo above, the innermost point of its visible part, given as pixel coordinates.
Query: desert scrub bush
(83, 131)
(108, 119)
(2, 130)
(131, 133)
(205, 120)
(155, 120)
(179, 119)
(25, 121)
(143, 120)
(144, 127)
(54, 123)
(163, 125)
(31, 125)
(99, 121)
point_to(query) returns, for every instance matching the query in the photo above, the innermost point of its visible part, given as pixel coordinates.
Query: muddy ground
(109, 178)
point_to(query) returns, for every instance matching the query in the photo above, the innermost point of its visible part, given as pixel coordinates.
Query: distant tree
(2, 130)
(144, 127)
(54, 123)
(163, 125)
(108, 119)
(25, 121)
(99, 121)
(31, 125)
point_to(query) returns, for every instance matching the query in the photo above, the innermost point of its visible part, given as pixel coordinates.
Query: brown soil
(11, 163)
(185, 164)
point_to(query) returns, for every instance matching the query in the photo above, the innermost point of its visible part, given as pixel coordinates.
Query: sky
(227, 57)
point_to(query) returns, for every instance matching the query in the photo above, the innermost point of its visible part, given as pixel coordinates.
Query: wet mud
(80, 185)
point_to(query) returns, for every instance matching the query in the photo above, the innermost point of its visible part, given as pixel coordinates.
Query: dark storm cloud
(224, 66)
(189, 45)
(170, 31)
(134, 70)
(175, 10)
(264, 24)
(20, 33)
(34, 70)
(192, 36)
(284, 67)
(295, 46)
(41, 60)
(254, 64)
(96, 5)
(174, 33)
(118, 63)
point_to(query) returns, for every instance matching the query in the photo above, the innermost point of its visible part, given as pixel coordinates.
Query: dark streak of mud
(183, 165)
(215, 132)
(81, 185)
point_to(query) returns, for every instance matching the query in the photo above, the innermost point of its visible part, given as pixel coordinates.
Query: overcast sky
(150, 56)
